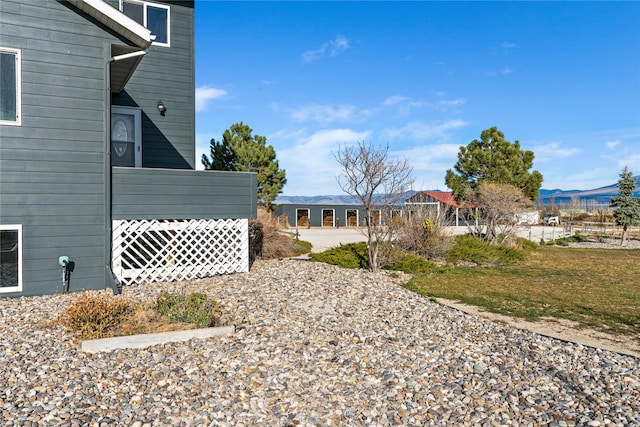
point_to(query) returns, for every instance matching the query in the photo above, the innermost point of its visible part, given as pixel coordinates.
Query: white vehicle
(551, 220)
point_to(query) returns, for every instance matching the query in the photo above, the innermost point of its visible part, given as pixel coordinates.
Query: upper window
(10, 258)
(152, 15)
(9, 86)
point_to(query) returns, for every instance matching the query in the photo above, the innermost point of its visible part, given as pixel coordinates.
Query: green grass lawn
(598, 288)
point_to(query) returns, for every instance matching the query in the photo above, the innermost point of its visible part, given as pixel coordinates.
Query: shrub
(94, 315)
(423, 233)
(353, 255)
(470, 249)
(412, 264)
(196, 308)
(525, 244)
(576, 238)
(266, 241)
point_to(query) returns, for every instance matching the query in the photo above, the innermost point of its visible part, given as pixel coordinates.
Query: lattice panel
(147, 251)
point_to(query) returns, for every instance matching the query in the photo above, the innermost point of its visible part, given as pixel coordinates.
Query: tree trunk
(373, 256)
(624, 235)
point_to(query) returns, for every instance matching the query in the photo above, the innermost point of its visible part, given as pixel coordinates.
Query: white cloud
(204, 94)
(612, 144)
(507, 45)
(396, 99)
(309, 162)
(329, 49)
(452, 102)
(420, 131)
(505, 71)
(202, 147)
(405, 104)
(430, 163)
(326, 114)
(552, 151)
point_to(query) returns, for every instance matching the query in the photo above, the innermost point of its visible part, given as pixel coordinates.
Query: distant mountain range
(598, 195)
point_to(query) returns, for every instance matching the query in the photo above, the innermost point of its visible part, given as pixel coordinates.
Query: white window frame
(15, 227)
(18, 55)
(145, 4)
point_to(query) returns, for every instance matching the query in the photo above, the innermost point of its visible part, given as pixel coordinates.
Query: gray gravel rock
(315, 345)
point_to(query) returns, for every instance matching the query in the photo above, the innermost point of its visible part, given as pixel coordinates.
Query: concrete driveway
(325, 238)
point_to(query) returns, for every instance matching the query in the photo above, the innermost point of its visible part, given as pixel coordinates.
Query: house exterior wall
(55, 173)
(183, 194)
(166, 74)
(52, 165)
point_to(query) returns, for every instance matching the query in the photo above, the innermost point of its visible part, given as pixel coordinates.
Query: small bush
(524, 244)
(353, 255)
(412, 264)
(423, 232)
(196, 308)
(266, 241)
(467, 248)
(94, 315)
(564, 241)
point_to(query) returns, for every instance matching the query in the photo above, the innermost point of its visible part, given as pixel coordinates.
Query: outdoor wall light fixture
(162, 108)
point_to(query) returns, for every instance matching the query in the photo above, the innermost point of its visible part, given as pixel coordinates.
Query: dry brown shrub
(101, 315)
(267, 241)
(96, 315)
(422, 232)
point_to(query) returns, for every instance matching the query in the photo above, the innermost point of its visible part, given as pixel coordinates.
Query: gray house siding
(166, 74)
(55, 174)
(172, 194)
(52, 166)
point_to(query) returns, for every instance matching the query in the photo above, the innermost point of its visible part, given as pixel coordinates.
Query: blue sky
(425, 78)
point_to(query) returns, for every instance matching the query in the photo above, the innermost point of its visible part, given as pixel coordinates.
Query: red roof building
(441, 200)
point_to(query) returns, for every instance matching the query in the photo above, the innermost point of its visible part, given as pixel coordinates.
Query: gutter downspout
(107, 165)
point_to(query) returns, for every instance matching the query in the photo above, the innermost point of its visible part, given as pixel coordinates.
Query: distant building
(310, 215)
(443, 203)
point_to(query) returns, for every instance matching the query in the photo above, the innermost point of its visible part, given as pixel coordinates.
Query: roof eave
(115, 20)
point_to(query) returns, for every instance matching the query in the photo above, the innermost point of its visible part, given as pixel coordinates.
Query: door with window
(126, 137)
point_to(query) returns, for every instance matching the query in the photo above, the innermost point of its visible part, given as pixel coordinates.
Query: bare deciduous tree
(574, 207)
(379, 183)
(500, 203)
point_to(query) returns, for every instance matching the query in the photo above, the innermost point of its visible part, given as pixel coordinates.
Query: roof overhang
(138, 37)
(117, 21)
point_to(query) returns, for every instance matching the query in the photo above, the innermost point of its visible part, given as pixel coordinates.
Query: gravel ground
(315, 345)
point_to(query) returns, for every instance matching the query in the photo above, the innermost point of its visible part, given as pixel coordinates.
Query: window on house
(152, 15)
(10, 86)
(10, 258)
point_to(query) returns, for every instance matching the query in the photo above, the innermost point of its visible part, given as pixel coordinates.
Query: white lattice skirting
(146, 251)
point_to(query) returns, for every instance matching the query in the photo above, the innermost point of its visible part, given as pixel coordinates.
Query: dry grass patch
(95, 315)
(595, 287)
